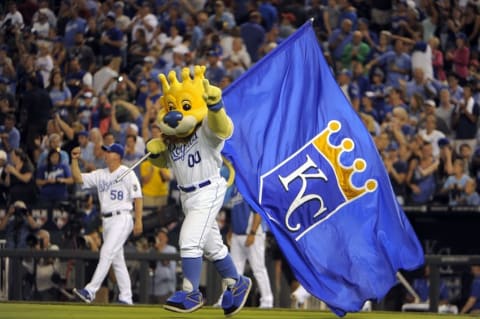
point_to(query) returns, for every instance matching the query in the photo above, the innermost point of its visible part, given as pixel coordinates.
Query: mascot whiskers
(195, 125)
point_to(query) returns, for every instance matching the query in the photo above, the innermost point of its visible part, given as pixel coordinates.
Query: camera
(120, 78)
(20, 211)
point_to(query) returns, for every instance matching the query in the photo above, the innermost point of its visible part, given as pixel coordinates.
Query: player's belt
(189, 189)
(110, 214)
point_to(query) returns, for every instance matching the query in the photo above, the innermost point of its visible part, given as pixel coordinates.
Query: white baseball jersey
(197, 160)
(113, 196)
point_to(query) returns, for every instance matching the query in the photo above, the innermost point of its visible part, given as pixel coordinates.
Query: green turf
(21, 310)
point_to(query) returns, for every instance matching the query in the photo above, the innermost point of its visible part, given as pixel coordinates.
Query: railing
(16, 256)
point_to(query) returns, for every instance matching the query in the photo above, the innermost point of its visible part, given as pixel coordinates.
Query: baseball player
(196, 161)
(248, 243)
(116, 199)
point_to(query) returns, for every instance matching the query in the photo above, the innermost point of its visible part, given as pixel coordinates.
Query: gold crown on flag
(343, 173)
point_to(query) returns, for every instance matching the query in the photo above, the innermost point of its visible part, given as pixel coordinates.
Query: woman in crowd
(53, 179)
(20, 178)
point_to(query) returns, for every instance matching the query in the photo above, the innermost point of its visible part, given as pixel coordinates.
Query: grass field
(20, 310)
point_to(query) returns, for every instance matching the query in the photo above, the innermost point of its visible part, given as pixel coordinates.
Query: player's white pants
(200, 234)
(255, 254)
(116, 230)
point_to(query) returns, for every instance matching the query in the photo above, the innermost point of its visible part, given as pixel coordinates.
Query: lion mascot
(194, 127)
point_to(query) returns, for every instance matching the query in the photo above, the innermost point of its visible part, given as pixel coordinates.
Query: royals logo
(314, 183)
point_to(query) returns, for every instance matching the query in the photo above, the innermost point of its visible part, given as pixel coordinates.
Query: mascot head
(182, 105)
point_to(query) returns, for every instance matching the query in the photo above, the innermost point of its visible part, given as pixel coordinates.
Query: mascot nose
(172, 118)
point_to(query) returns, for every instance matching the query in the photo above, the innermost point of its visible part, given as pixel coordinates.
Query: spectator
(17, 223)
(3, 179)
(9, 134)
(41, 27)
(74, 25)
(54, 143)
(60, 95)
(221, 19)
(165, 277)
(20, 179)
(155, 181)
(357, 50)
(421, 175)
(138, 50)
(86, 161)
(438, 60)
(431, 134)
(215, 70)
(111, 41)
(131, 153)
(59, 53)
(445, 109)
(470, 196)
(460, 57)
(350, 89)
(105, 79)
(81, 51)
(464, 119)
(52, 179)
(145, 20)
(44, 272)
(455, 184)
(38, 109)
(253, 35)
(339, 38)
(77, 79)
(101, 114)
(396, 62)
(472, 306)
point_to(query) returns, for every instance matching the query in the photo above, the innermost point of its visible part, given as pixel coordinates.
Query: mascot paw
(156, 146)
(212, 96)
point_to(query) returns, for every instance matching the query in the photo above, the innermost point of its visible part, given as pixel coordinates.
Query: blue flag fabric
(307, 164)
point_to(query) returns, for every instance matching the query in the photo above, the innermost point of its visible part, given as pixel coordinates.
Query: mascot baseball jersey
(197, 160)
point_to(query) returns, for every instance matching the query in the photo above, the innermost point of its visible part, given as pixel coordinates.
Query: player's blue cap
(114, 148)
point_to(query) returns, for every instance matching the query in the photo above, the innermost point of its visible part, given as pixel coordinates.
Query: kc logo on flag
(315, 181)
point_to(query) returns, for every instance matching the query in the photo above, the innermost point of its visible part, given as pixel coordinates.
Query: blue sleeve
(475, 290)
(383, 59)
(443, 291)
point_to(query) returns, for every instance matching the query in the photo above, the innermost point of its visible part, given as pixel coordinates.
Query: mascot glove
(156, 146)
(212, 96)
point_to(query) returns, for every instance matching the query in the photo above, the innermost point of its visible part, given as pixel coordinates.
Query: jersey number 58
(114, 195)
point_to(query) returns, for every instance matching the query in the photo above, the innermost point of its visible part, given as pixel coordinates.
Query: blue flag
(307, 164)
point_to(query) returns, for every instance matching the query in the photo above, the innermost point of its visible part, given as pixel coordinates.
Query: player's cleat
(234, 297)
(83, 294)
(184, 301)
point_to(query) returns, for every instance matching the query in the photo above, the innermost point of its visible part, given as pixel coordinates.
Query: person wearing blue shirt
(112, 37)
(9, 134)
(472, 305)
(339, 38)
(53, 178)
(396, 62)
(73, 26)
(253, 35)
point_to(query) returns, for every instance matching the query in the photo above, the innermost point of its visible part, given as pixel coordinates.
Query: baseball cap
(461, 35)
(149, 59)
(83, 133)
(111, 16)
(443, 141)
(118, 4)
(3, 155)
(114, 148)
(87, 95)
(430, 103)
(20, 204)
(346, 72)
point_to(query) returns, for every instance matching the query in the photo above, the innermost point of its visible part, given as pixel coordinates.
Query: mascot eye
(171, 106)
(186, 107)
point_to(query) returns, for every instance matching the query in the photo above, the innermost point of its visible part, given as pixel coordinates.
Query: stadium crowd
(84, 72)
